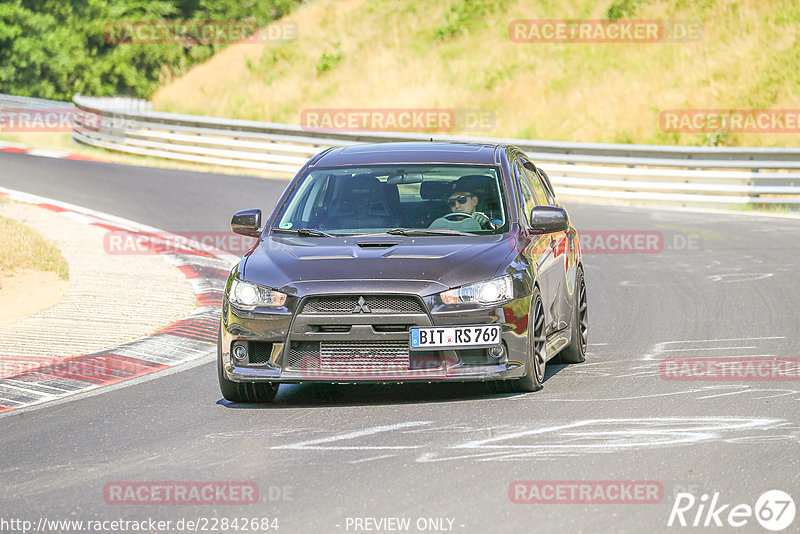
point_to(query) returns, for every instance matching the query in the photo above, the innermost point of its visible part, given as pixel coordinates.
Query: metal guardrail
(27, 102)
(675, 174)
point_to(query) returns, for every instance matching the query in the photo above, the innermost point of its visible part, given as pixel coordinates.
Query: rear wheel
(243, 391)
(575, 352)
(537, 347)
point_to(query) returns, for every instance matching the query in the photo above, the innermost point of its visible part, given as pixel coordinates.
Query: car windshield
(404, 200)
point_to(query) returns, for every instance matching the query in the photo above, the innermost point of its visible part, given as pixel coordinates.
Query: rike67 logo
(774, 510)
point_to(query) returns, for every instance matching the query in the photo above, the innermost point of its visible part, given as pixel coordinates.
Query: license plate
(444, 337)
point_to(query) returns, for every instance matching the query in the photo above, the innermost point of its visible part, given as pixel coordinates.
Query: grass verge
(22, 248)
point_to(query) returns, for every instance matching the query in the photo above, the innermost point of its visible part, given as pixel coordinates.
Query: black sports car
(405, 262)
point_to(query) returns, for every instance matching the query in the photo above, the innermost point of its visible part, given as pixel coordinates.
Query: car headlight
(250, 296)
(487, 292)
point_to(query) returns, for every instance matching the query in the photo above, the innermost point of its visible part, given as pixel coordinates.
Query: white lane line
(372, 458)
(720, 339)
(91, 391)
(646, 427)
(707, 348)
(429, 457)
(9, 381)
(311, 444)
(30, 391)
(47, 153)
(782, 392)
(637, 397)
(743, 277)
(107, 217)
(733, 356)
(608, 435)
(661, 347)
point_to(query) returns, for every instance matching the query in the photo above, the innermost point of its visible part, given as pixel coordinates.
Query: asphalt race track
(322, 456)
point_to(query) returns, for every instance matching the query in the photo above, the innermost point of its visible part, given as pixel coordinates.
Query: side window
(312, 201)
(321, 195)
(548, 187)
(539, 192)
(528, 197)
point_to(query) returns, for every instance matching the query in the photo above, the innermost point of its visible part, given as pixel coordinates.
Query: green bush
(620, 9)
(463, 15)
(54, 49)
(329, 60)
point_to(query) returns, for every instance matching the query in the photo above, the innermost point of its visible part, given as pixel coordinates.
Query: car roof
(414, 152)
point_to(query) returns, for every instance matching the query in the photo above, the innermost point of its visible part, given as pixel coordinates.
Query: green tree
(55, 48)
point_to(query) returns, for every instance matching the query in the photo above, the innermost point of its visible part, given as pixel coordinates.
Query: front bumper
(285, 346)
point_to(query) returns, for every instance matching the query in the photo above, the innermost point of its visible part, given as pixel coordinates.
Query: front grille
(260, 352)
(364, 353)
(346, 304)
(303, 356)
(375, 356)
(391, 327)
(331, 328)
(366, 357)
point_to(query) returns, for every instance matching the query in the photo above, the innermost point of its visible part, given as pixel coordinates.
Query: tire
(537, 348)
(575, 352)
(243, 391)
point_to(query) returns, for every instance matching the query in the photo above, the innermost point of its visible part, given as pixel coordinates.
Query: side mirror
(246, 222)
(548, 219)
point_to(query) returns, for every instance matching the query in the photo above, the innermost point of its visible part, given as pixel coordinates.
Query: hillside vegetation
(457, 54)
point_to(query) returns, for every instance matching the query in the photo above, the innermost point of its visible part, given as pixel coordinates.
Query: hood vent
(373, 244)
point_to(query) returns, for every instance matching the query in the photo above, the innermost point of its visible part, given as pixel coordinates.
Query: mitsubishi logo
(361, 307)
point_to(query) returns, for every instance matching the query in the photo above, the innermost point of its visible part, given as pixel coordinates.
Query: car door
(568, 253)
(560, 245)
(540, 251)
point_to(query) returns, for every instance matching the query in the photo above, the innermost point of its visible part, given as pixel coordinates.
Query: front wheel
(537, 347)
(243, 391)
(575, 352)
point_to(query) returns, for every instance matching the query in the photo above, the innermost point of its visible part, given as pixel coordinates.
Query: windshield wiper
(305, 232)
(425, 231)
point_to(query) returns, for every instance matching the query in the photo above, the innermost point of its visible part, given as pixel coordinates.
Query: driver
(464, 201)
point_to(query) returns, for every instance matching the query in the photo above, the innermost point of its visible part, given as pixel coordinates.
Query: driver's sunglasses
(462, 199)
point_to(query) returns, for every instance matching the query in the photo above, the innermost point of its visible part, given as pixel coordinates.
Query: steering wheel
(457, 216)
